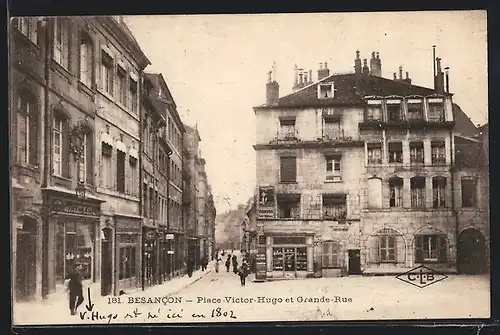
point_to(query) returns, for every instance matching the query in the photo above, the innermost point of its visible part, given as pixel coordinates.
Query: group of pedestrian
(241, 271)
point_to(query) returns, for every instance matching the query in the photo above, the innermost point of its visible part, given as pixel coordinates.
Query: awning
(106, 138)
(133, 76)
(133, 153)
(121, 146)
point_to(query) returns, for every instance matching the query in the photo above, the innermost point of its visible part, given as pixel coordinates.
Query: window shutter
(65, 149)
(374, 249)
(33, 137)
(288, 169)
(419, 256)
(90, 159)
(442, 248)
(392, 248)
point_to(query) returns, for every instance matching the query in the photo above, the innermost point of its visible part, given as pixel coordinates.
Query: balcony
(336, 136)
(290, 136)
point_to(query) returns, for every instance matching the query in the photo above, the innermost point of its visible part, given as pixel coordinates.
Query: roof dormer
(326, 90)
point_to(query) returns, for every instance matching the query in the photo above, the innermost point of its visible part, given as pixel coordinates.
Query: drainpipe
(454, 210)
(46, 162)
(141, 174)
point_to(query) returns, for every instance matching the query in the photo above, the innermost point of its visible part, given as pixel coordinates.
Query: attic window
(326, 91)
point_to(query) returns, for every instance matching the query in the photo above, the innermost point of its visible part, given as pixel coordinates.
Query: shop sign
(150, 235)
(170, 252)
(64, 206)
(260, 260)
(267, 202)
(169, 236)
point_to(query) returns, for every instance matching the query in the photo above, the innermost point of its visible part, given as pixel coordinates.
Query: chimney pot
(395, 76)
(407, 74)
(321, 66)
(357, 53)
(373, 54)
(326, 65)
(377, 55)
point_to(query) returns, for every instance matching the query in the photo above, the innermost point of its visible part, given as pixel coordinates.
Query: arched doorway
(26, 259)
(471, 252)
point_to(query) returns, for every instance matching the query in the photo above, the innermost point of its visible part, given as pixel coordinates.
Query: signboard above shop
(266, 206)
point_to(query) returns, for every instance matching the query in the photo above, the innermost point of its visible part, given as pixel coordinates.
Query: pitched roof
(345, 91)
(463, 124)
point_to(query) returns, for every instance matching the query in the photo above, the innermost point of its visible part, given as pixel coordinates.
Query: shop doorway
(289, 260)
(354, 261)
(26, 260)
(106, 261)
(471, 252)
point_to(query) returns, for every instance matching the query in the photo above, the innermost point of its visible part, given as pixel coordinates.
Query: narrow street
(218, 297)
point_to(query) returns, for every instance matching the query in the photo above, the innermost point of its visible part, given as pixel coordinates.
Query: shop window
(415, 111)
(395, 152)
(120, 171)
(29, 28)
(436, 112)
(332, 129)
(395, 192)
(62, 38)
(417, 188)
(133, 95)
(287, 129)
(334, 207)
(333, 169)
(374, 152)
(331, 255)
(121, 83)
(127, 262)
(394, 113)
(438, 152)
(262, 240)
(106, 166)
(469, 192)
(288, 169)
(86, 59)
(288, 206)
(107, 72)
(374, 113)
(439, 192)
(27, 131)
(417, 152)
(430, 248)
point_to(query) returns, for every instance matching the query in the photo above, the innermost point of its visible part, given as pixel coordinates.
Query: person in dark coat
(75, 288)
(189, 267)
(243, 272)
(204, 263)
(228, 262)
(235, 264)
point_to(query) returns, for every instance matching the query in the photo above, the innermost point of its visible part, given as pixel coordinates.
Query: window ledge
(116, 194)
(334, 181)
(34, 46)
(288, 182)
(107, 95)
(86, 89)
(62, 70)
(27, 166)
(61, 177)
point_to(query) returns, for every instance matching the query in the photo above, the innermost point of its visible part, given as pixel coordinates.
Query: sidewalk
(55, 309)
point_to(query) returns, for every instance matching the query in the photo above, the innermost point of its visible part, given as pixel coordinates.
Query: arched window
(27, 130)
(386, 245)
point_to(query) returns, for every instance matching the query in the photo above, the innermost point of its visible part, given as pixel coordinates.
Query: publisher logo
(422, 276)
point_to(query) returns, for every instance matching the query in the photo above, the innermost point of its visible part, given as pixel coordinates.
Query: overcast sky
(216, 67)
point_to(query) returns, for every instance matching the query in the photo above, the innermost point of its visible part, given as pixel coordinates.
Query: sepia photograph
(202, 169)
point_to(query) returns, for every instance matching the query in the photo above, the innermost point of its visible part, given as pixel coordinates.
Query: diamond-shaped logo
(422, 276)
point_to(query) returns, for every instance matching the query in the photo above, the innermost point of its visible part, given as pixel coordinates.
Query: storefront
(150, 256)
(128, 252)
(73, 227)
(289, 256)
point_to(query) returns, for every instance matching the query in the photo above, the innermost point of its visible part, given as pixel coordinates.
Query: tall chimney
(366, 70)
(395, 76)
(272, 89)
(375, 65)
(434, 60)
(310, 76)
(407, 79)
(323, 72)
(447, 79)
(296, 83)
(439, 78)
(400, 73)
(357, 64)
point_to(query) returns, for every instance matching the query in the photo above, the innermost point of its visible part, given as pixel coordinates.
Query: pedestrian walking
(235, 264)
(75, 288)
(204, 263)
(228, 262)
(243, 273)
(189, 267)
(217, 262)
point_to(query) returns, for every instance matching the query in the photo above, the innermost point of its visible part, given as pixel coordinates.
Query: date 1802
(220, 313)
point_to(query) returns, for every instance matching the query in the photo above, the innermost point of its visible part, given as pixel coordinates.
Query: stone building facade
(354, 174)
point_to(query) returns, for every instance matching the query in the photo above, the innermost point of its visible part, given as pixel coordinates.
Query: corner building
(353, 174)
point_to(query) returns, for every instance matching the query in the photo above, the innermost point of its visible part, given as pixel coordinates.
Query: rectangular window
(22, 138)
(431, 248)
(374, 152)
(288, 206)
(57, 146)
(127, 262)
(121, 85)
(394, 113)
(120, 171)
(417, 152)
(76, 244)
(334, 207)
(438, 152)
(396, 192)
(333, 171)
(374, 113)
(395, 152)
(61, 42)
(331, 255)
(332, 130)
(436, 112)
(83, 161)
(133, 95)
(439, 192)
(417, 187)
(106, 166)
(469, 192)
(151, 199)
(107, 73)
(86, 63)
(134, 176)
(387, 248)
(287, 129)
(29, 28)
(145, 200)
(415, 111)
(288, 169)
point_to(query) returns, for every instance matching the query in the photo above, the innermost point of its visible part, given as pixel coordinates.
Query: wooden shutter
(392, 248)
(65, 149)
(33, 137)
(288, 169)
(419, 255)
(374, 249)
(326, 255)
(89, 155)
(442, 248)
